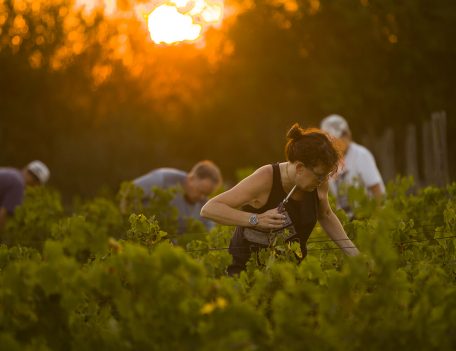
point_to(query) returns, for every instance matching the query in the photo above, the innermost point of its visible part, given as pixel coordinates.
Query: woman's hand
(271, 219)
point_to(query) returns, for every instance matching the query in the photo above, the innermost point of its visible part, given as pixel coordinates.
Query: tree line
(94, 98)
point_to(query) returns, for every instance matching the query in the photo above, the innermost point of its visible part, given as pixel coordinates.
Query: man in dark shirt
(12, 186)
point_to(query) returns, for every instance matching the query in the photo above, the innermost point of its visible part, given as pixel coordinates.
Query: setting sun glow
(168, 25)
(183, 20)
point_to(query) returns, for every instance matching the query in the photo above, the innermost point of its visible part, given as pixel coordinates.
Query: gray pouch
(267, 237)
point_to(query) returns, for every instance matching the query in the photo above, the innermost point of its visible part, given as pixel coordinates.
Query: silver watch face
(253, 220)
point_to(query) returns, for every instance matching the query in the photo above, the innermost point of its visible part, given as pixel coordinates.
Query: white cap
(335, 125)
(39, 170)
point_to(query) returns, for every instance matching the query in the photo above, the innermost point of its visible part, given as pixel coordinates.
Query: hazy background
(88, 92)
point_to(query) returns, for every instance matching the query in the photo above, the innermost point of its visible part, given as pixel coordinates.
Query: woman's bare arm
(254, 191)
(331, 224)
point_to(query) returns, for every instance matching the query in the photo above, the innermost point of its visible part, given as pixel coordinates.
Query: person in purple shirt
(12, 186)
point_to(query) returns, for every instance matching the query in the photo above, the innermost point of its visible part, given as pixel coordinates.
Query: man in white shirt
(359, 168)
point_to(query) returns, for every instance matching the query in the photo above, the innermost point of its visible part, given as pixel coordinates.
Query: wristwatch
(253, 219)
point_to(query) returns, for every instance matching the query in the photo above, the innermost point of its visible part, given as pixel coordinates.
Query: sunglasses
(320, 176)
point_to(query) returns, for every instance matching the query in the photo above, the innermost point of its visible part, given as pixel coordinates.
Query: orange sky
(168, 21)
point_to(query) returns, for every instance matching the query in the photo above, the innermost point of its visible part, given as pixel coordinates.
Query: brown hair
(312, 147)
(207, 169)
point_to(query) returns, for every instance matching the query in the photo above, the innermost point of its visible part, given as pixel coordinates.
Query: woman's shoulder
(261, 176)
(266, 169)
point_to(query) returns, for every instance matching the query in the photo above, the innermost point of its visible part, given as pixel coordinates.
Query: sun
(183, 20)
(168, 21)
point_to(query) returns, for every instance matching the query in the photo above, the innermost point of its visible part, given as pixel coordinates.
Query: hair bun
(295, 132)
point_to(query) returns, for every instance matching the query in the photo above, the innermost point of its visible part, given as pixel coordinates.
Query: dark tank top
(303, 213)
